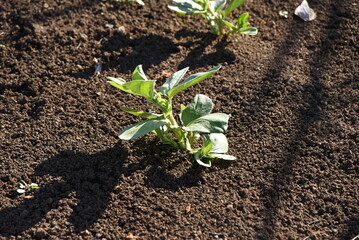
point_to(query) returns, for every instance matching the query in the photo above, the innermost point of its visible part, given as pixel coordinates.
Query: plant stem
(177, 131)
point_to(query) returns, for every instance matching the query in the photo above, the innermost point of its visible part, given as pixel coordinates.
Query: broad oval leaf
(191, 80)
(173, 81)
(186, 7)
(138, 87)
(139, 74)
(219, 143)
(211, 123)
(248, 31)
(140, 113)
(141, 128)
(201, 105)
(116, 81)
(233, 4)
(224, 156)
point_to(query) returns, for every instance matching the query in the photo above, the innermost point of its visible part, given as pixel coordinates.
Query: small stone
(122, 29)
(229, 207)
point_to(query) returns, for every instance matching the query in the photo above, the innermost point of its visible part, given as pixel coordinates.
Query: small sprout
(24, 187)
(198, 123)
(215, 12)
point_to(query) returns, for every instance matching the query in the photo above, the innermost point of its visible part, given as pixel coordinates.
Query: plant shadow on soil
(90, 179)
(196, 58)
(125, 53)
(168, 168)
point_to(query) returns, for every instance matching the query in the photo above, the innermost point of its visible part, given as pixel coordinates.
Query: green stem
(177, 131)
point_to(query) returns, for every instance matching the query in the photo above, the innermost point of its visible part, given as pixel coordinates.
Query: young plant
(215, 13)
(198, 123)
(24, 187)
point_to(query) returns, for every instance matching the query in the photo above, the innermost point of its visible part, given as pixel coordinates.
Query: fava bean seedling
(215, 12)
(199, 126)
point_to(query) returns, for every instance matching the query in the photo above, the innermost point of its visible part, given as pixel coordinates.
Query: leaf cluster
(198, 123)
(215, 12)
(23, 187)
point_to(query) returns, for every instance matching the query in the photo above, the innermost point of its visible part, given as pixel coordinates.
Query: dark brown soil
(292, 91)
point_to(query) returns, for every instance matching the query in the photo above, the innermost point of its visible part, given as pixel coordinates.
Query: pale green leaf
(173, 81)
(141, 128)
(217, 5)
(224, 156)
(138, 74)
(211, 123)
(233, 4)
(138, 87)
(187, 7)
(219, 143)
(201, 105)
(191, 80)
(248, 31)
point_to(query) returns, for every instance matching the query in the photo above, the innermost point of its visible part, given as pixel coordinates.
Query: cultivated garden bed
(291, 92)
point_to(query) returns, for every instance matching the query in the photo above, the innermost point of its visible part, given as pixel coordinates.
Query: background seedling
(24, 187)
(198, 123)
(215, 13)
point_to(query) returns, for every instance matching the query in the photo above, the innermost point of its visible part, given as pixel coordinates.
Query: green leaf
(116, 81)
(233, 4)
(206, 162)
(138, 74)
(143, 88)
(229, 24)
(219, 143)
(186, 7)
(211, 123)
(216, 5)
(173, 81)
(242, 20)
(191, 80)
(141, 128)
(140, 113)
(224, 156)
(201, 105)
(207, 145)
(248, 31)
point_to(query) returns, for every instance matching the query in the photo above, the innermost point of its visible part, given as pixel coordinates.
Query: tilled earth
(292, 92)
